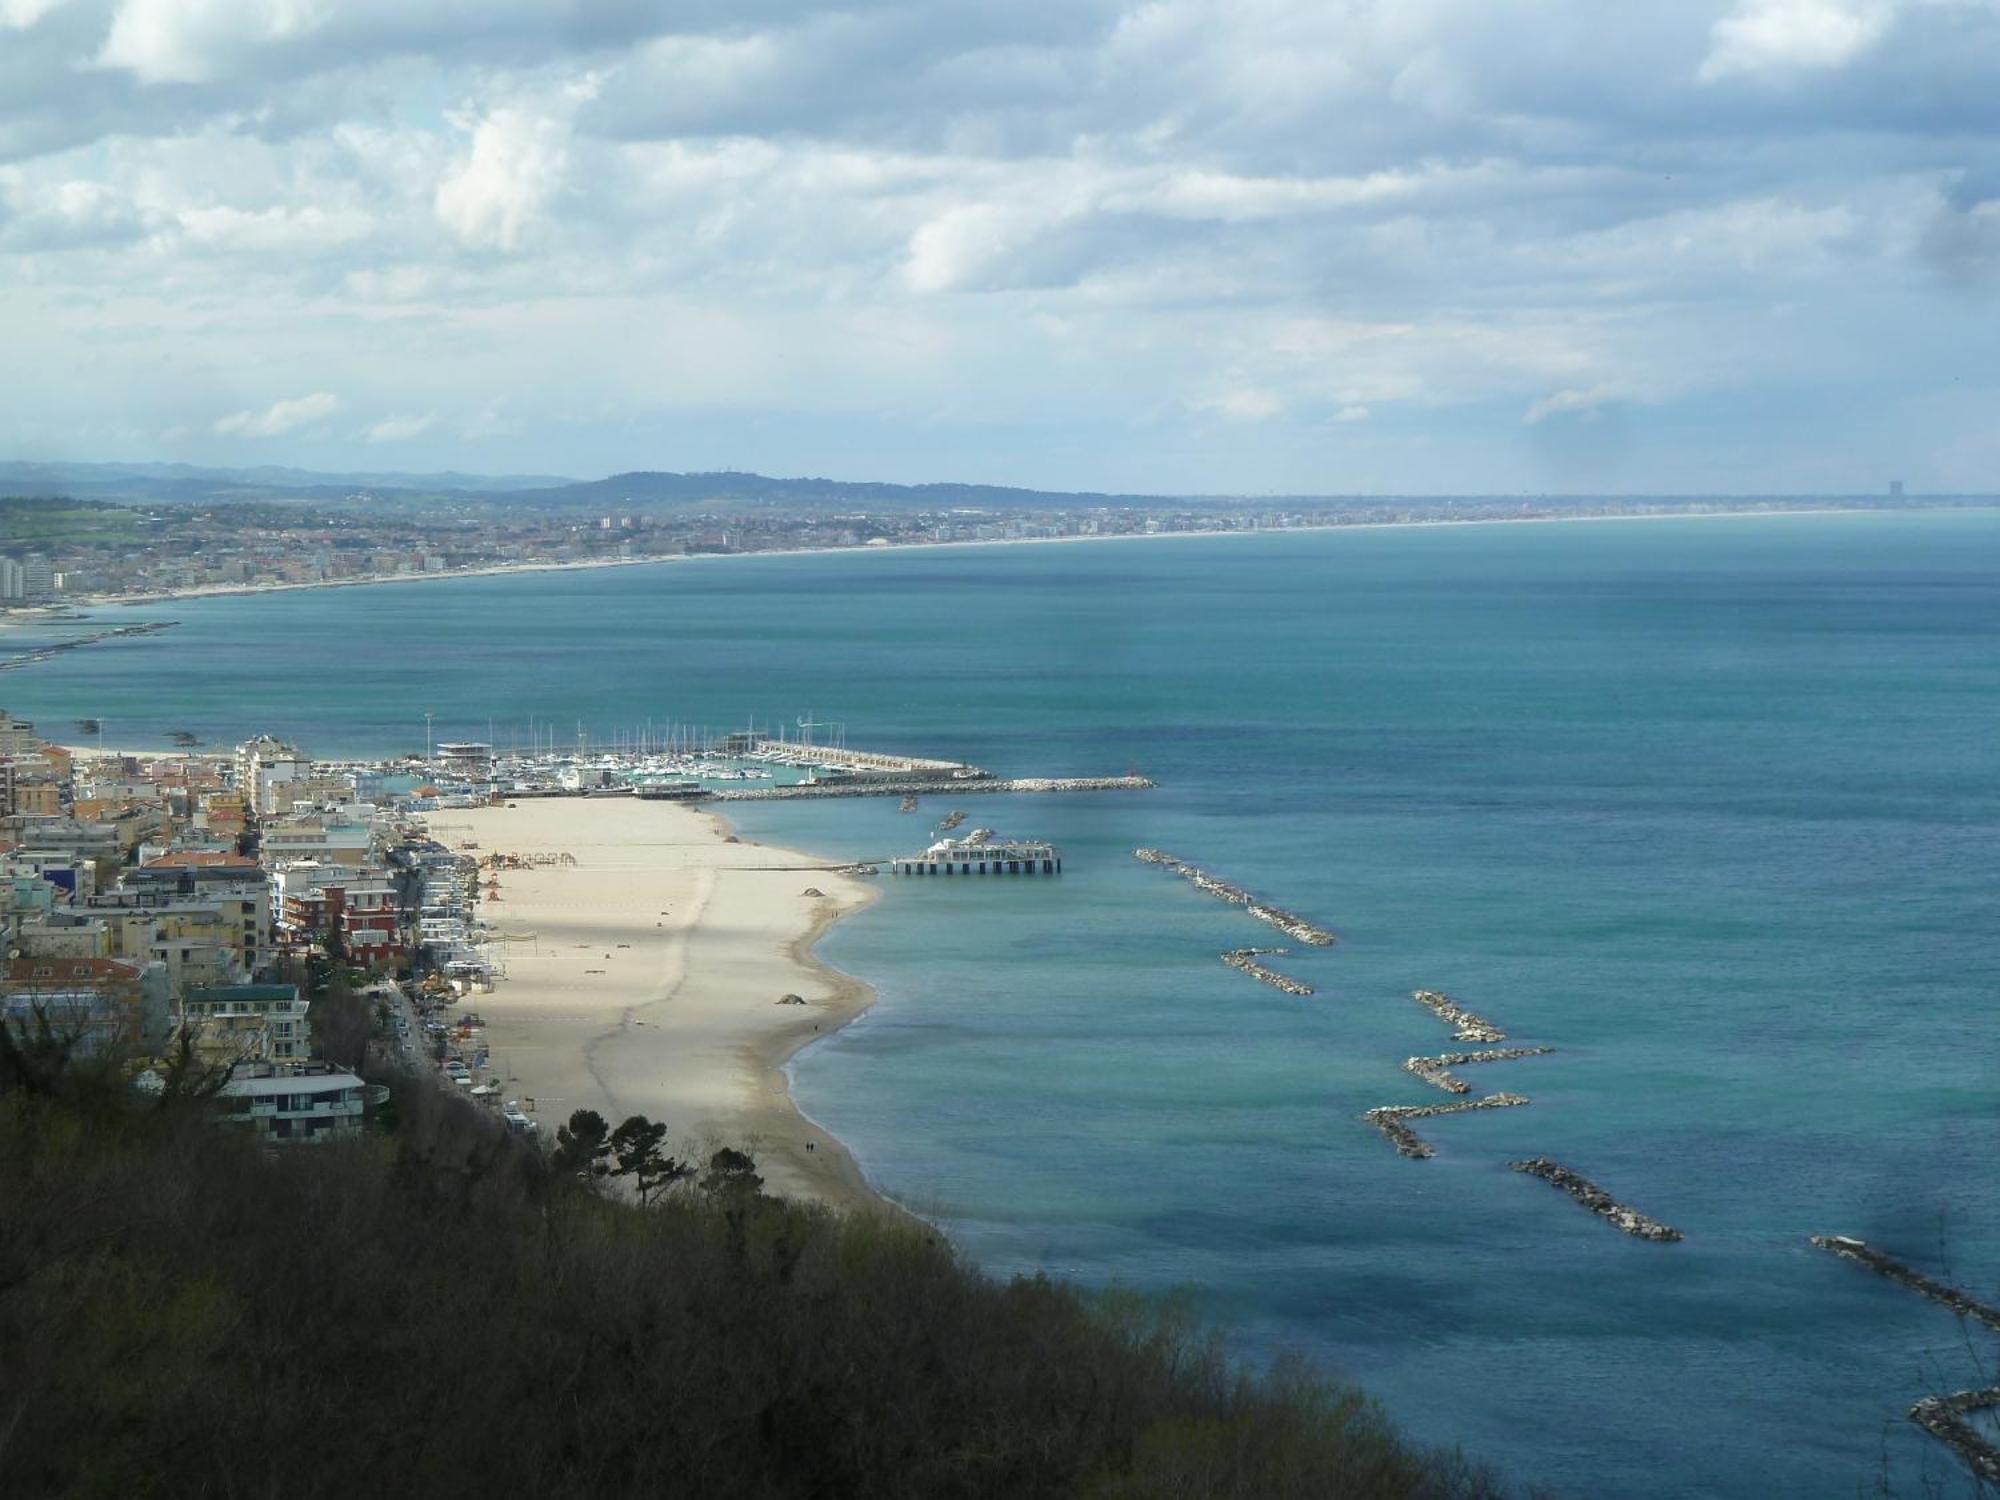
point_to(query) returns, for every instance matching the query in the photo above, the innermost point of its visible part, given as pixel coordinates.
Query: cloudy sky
(1224, 245)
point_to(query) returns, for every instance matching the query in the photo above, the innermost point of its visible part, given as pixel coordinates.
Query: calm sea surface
(1709, 806)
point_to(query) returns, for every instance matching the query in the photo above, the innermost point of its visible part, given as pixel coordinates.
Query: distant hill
(196, 483)
(655, 491)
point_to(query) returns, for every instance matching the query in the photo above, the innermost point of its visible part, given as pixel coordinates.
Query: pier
(1466, 1027)
(1244, 961)
(1599, 1202)
(1389, 1119)
(979, 853)
(1864, 1254)
(1297, 928)
(1436, 1070)
(909, 788)
(1943, 1417)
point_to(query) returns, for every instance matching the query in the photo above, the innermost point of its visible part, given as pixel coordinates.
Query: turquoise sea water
(1709, 806)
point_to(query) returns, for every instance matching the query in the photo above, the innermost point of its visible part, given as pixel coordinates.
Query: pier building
(979, 853)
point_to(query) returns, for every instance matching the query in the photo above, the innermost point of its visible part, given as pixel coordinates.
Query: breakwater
(1436, 1070)
(1297, 928)
(1390, 1120)
(1244, 961)
(1864, 1254)
(1465, 1026)
(1943, 1417)
(1599, 1202)
(44, 653)
(805, 790)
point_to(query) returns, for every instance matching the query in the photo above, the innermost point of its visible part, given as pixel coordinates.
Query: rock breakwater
(1436, 1070)
(1465, 1026)
(1943, 1417)
(1244, 961)
(1599, 1202)
(1864, 1254)
(1390, 1120)
(859, 788)
(1295, 927)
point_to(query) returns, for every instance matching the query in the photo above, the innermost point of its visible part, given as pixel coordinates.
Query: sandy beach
(645, 978)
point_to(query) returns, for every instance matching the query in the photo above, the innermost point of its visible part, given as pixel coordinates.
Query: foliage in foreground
(440, 1313)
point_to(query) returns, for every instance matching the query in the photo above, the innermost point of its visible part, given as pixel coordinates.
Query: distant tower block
(1895, 489)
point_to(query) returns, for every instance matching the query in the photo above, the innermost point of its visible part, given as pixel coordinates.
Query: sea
(1707, 805)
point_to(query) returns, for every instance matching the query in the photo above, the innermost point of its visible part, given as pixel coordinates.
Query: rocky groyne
(1599, 1202)
(1943, 1417)
(1297, 928)
(1244, 961)
(1465, 1026)
(1436, 1070)
(45, 653)
(1391, 1120)
(1864, 1254)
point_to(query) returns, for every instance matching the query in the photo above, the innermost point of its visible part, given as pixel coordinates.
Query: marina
(1599, 1202)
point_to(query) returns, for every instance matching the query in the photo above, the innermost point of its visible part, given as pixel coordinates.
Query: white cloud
(1586, 403)
(500, 188)
(195, 41)
(1781, 36)
(21, 14)
(280, 417)
(400, 429)
(1351, 414)
(1244, 404)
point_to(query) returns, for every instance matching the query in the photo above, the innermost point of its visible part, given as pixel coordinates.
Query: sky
(1225, 246)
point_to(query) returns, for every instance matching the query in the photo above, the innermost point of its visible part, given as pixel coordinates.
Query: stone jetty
(1244, 960)
(1390, 1118)
(77, 643)
(1465, 1026)
(1599, 1202)
(864, 788)
(1297, 928)
(1436, 1070)
(1864, 1254)
(1943, 1417)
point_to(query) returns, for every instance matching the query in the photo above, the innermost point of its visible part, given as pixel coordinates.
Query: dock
(1297, 928)
(1466, 1027)
(917, 788)
(1436, 1070)
(979, 853)
(1599, 1202)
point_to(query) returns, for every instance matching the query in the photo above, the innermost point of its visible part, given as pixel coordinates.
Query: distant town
(127, 543)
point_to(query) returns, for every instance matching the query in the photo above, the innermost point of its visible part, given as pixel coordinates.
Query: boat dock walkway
(1599, 1202)
(907, 788)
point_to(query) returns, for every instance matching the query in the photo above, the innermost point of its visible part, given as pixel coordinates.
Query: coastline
(502, 570)
(645, 978)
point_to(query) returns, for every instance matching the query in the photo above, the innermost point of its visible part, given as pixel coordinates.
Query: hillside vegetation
(435, 1310)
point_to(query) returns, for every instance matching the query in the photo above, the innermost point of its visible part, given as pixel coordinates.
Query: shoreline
(676, 1019)
(503, 570)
